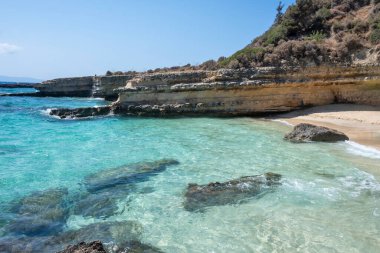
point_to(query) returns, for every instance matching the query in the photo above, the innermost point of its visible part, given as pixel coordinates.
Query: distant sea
(328, 200)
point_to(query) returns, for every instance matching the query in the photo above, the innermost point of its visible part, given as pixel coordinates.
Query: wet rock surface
(129, 174)
(41, 213)
(92, 247)
(116, 237)
(198, 197)
(308, 132)
(66, 113)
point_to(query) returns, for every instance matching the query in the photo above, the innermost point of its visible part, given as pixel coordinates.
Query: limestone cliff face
(74, 87)
(104, 86)
(262, 91)
(224, 92)
(91, 86)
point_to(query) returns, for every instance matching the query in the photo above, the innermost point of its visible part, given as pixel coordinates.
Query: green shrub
(274, 35)
(317, 36)
(323, 13)
(244, 55)
(375, 36)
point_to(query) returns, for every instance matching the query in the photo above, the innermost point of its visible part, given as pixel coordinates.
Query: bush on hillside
(317, 36)
(375, 36)
(243, 57)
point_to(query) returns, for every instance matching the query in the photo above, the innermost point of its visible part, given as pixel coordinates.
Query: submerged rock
(41, 213)
(106, 188)
(138, 247)
(92, 247)
(115, 237)
(231, 192)
(101, 204)
(97, 247)
(24, 244)
(133, 173)
(66, 113)
(308, 132)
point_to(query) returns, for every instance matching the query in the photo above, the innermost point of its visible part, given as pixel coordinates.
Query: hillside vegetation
(315, 32)
(309, 33)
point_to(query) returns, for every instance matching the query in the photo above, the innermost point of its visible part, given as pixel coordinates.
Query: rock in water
(97, 247)
(66, 113)
(138, 247)
(107, 232)
(307, 132)
(41, 213)
(92, 247)
(133, 173)
(101, 204)
(115, 237)
(216, 194)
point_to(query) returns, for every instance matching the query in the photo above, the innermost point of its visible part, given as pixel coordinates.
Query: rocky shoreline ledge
(226, 92)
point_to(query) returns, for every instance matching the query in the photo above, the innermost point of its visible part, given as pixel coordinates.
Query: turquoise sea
(328, 200)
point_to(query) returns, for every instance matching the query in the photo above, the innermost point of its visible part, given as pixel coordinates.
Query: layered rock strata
(245, 92)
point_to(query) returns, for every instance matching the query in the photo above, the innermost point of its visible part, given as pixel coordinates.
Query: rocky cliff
(262, 91)
(90, 86)
(71, 87)
(241, 92)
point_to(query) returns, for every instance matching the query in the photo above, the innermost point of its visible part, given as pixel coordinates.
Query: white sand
(360, 123)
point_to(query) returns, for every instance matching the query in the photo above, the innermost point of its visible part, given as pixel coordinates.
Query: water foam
(362, 150)
(283, 122)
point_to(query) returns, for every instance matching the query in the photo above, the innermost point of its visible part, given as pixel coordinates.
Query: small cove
(329, 200)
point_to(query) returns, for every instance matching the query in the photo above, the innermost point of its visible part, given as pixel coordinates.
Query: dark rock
(130, 174)
(97, 247)
(138, 247)
(232, 192)
(307, 132)
(66, 113)
(113, 235)
(101, 204)
(24, 244)
(116, 237)
(117, 232)
(41, 213)
(92, 247)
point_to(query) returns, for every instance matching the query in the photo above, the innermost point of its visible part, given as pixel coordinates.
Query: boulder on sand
(308, 132)
(232, 192)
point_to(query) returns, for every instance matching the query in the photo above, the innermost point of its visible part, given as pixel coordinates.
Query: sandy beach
(360, 123)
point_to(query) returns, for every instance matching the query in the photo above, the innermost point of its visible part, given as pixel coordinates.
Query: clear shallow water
(326, 203)
(16, 90)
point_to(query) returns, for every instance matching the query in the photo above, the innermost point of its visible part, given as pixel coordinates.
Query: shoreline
(361, 123)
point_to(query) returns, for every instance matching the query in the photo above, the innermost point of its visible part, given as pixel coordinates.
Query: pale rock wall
(251, 100)
(76, 87)
(104, 86)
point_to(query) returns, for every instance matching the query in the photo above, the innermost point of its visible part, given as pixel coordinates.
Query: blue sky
(57, 38)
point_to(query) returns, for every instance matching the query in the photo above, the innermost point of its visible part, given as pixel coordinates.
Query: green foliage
(247, 53)
(323, 13)
(317, 36)
(375, 36)
(274, 35)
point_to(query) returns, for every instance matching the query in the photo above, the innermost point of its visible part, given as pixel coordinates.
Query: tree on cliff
(280, 13)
